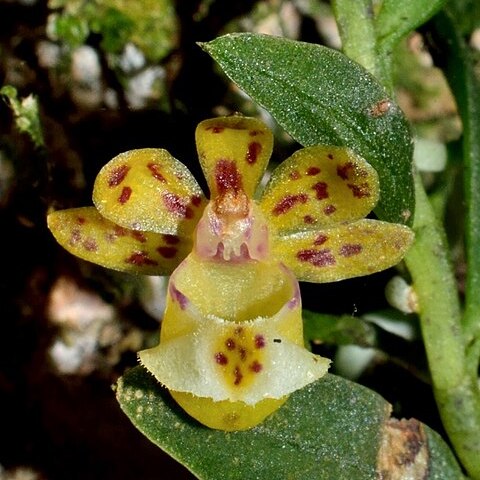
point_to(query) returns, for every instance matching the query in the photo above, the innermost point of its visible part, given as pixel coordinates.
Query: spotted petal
(88, 235)
(319, 186)
(344, 251)
(234, 152)
(149, 190)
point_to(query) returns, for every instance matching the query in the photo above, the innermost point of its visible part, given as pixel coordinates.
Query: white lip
(186, 364)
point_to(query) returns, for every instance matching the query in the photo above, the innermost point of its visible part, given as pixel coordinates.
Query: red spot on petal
(288, 202)
(196, 200)
(170, 239)
(256, 367)
(167, 252)
(313, 171)
(177, 205)
(117, 175)
(75, 237)
(140, 259)
(254, 133)
(125, 195)
(309, 220)
(318, 258)
(320, 240)
(220, 358)
(227, 177)
(321, 190)
(359, 191)
(343, 171)
(350, 249)
(330, 156)
(254, 150)
(243, 354)
(230, 344)
(81, 220)
(237, 373)
(259, 341)
(329, 209)
(155, 169)
(295, 175)
(120, 231)
(90, 244)
(138, 236)
(238, 331)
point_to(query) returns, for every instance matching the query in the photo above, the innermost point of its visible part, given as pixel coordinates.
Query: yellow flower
(231, 345)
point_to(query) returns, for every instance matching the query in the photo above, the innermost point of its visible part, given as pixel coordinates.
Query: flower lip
(246, 361)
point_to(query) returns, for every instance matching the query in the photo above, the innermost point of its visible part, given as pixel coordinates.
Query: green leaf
(319, 96)
(338, 330)
(396, 19)
(383, 329)
(330, 430)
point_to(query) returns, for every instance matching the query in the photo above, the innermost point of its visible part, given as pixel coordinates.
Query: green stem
(465, 86)
(355, 22)
(456, 392)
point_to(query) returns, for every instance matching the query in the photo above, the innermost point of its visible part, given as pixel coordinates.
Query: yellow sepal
(86, 234)
(234, 152)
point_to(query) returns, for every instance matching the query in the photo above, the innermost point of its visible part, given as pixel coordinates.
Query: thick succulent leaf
(149, 190)
(331, 430)
(344, 251)
(234, 152)
(319, 186)
(88, 235)
(321, 97)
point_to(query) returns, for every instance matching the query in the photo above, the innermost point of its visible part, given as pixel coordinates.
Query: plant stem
(458, 67)
(456, 392)
(355, 22)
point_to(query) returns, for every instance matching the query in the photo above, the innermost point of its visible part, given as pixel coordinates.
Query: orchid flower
(231, 345)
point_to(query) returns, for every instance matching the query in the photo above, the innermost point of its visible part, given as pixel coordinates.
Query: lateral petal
(343, 251)
(319, 186)
(149, 190)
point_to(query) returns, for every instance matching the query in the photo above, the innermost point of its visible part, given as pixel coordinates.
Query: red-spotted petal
(88, 235)
(234, 152)
(344, 251)
(319, 186)
(149, 190)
